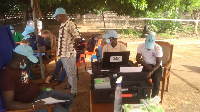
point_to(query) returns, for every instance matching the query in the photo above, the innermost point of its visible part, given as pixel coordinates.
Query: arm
(140, 61)
(157, 65)
(10, 104)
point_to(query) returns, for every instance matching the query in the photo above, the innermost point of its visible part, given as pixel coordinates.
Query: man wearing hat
(149, 55)
(29, 34)
(112, 44)
(16, 35)
(19, 92)
(68, 35)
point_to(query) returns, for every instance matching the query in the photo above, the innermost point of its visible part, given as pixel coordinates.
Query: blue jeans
(57, 70)
(37, 55)
(60, 107)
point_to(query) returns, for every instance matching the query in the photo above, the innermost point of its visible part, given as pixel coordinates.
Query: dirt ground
(184, 88)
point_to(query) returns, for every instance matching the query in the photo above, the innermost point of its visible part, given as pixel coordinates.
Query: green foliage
(162, 26)
(130, 32)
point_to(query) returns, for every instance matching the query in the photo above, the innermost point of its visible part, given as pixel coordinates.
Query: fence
(94, 21)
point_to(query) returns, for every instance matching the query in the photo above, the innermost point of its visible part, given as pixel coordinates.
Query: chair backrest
(167, 49)
(48, 34)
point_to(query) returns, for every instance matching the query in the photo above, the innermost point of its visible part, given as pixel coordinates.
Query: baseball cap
(111, 33)
(28, 29)
(58, 11)
(150, 41)
(11, 27)
(27, 51)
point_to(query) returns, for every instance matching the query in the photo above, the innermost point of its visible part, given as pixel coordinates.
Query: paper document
(131, 69)
(51, 100)
(89, 71)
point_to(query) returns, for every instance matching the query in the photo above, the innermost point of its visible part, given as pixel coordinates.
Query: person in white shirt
(149, 55)
(68, 36)
(112, 44)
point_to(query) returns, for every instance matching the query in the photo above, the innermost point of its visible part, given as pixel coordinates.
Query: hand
(148, 67)
(40, 105)
(148, 75)
(48, 78)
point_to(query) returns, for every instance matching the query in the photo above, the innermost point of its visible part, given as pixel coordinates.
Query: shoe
(74, 94)
(67, 87)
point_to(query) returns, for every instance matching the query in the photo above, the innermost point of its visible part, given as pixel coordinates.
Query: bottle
(118, 96)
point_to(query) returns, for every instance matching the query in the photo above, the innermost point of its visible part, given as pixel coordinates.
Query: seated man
(19, 93)
(16, 35)
(80, 50)
(149, 55)
(29, 33)
(112, 44)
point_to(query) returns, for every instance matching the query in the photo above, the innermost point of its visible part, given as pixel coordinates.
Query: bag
(91, 44)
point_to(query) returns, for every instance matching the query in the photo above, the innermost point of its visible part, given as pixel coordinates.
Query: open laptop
(113, 60)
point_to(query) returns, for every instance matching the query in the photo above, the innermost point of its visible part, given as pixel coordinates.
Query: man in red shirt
(19, 93)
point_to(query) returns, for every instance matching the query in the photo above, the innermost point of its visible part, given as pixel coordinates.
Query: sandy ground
(183, 94)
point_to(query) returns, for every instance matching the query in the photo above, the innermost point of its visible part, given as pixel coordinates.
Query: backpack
(91, 44)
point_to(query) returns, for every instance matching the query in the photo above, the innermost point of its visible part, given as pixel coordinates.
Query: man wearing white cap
(29, 34)
(68, 34)
(149, 55)
(112, 44)
(19, 92)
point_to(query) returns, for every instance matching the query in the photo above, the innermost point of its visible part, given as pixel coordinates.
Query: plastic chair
(95, 57)
(81, 60)
(93, 53)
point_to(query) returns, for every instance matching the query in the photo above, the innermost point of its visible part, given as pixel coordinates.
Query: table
(100, 107)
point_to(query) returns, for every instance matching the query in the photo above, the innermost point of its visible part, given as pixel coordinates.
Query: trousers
(70, 68)
(156, 76)
(60, 107)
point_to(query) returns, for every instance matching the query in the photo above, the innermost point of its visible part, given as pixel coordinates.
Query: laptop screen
(113, 60)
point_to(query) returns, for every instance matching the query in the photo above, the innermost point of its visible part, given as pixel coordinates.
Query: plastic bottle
(118, 96)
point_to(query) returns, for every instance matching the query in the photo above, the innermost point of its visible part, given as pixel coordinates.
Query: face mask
(22, 66)
(108, 41)
(12, 31)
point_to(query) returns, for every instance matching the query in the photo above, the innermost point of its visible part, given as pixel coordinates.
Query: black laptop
(114, 60)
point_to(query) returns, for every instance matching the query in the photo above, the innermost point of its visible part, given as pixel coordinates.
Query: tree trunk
(195, 27)
(37, 39)
(104, 22)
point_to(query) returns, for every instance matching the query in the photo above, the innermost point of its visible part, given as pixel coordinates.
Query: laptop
(113, 60)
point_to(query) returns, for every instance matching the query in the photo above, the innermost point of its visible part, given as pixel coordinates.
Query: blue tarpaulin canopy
(7, 45)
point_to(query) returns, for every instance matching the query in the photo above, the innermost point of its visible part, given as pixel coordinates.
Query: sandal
(67, 87)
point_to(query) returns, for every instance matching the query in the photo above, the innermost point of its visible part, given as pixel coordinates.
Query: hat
(150, 41)
(11, 27)
(111, 33)
(27, 51)
(28, 29)
(59, 11)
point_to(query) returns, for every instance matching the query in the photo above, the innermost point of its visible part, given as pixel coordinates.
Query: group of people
(149, 55)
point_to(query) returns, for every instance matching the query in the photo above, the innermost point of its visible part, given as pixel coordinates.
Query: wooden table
(100, 107)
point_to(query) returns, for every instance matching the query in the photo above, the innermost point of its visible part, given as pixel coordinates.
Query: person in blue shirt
(29, 34)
